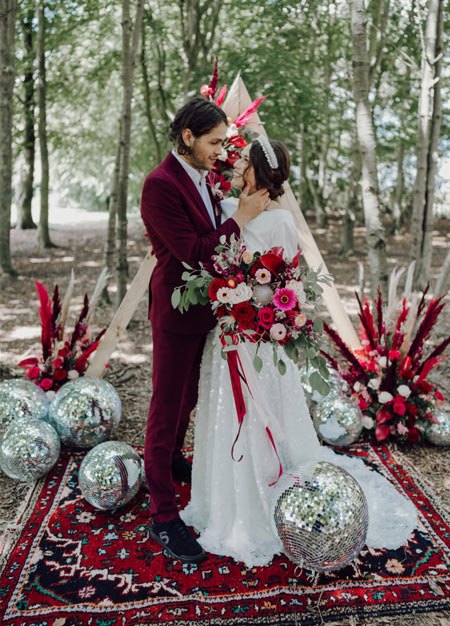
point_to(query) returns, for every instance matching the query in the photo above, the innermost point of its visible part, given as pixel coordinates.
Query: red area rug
(66, 564)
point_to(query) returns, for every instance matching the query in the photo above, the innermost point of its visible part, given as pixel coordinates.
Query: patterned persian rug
(65, 564)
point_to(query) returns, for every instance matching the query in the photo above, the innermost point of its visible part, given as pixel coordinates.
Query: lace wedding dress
(231, 501)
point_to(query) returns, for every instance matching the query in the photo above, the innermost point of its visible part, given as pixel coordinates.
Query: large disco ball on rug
(85, 412)
(438, 432)
(21, 398)
(29, 449)
(110, 475)
(322, 522)
(338, 420)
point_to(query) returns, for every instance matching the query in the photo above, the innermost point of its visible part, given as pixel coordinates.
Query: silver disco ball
(322, 523)
(21, 398)
(336, 382)
(338, 420)
(29, 449)
(110, 475)
(439, 433)
(85, 412)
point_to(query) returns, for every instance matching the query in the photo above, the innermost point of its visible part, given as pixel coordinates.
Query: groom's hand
(250, 206)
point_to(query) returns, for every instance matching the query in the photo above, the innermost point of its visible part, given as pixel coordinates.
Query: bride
(230, 502)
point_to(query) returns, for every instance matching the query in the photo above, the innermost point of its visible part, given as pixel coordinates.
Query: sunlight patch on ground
(129, 359)
(89, 264)
(25, 332)
(38, 260)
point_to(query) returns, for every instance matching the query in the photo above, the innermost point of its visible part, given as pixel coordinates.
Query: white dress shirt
(199, 180)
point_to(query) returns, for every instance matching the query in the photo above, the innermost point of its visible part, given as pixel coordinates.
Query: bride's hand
(250, 206)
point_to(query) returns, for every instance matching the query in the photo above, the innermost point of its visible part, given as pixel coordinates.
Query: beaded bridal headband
(268, 151)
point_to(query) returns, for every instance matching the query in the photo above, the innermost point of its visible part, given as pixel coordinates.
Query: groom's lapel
(187, 185)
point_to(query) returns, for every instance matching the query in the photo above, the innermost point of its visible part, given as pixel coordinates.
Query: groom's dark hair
(200, 116)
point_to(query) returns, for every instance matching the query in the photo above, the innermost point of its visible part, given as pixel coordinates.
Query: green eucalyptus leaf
(282, 367)
(257, 363)
(175, 298)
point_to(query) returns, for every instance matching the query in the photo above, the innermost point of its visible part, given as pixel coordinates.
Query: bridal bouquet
(389, 375)
(260, 298)
(64, 356)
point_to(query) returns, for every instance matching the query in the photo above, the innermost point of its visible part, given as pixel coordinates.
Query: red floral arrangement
(220, 177)
(389, 375)
(64, 357)
(259, 297)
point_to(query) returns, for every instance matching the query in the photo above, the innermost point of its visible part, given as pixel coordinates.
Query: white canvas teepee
(236, 102)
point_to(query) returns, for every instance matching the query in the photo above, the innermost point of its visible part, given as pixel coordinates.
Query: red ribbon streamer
(236, 376)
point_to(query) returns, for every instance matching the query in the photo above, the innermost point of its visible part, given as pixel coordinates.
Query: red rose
(232, 157)
(60, 374)
(399, 408)
(237, 141)
(438, 396)
(46, 383)
(214, 287)
(221, 311)
(28, 362)
(362, 403)
(382, 432)
(243, 312)
(383, 416)
(413, 435)
(265, 317)
(226, 185)
(423, 386)
(411, 408)
(34, 372)
(57, 362)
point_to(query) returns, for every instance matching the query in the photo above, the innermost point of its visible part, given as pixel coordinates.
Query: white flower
(367, 422)
(382, 361)
(72, 374)
(297, 287)
(247, 256)
(357, 386)
(364, 342)
(241, 293)
(374, 383)
(223, 155)
(404, 390)
(384, 397)
(60, 345)
(50, 394)
(232, 130)
(278, 331)
(223, 295)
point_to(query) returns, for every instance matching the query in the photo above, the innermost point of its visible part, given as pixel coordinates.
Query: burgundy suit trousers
(176, 371)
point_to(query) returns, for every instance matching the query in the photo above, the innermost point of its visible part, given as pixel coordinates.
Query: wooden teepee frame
(236, 102)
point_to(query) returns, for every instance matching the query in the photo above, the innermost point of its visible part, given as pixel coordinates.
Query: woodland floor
(79, 237)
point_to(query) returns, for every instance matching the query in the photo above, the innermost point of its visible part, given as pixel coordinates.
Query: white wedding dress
(230, 502)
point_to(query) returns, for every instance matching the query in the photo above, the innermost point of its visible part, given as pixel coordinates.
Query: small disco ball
(85, 412)
(338, 420)
(110, 475)
(29, 449)
(439, 433)
(21, 398)
(336, 382)
(322, 522)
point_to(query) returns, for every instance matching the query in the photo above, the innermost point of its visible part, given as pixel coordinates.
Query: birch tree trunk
(110, 243)
(7, 60)
(43, 231)
(376, 242)
(430, 116)
(130, 41)
(25, 186)
(147, 96)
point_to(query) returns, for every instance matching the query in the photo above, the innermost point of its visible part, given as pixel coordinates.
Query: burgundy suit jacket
(180, 229)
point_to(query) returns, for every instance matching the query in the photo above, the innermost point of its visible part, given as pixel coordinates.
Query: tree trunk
(25, 187)
(430, 116)
(147, 97)
(352, 206)
(376, 242)
(400, 185)
(110, 243)
(130, 42)
(7, 59)
(43, 230)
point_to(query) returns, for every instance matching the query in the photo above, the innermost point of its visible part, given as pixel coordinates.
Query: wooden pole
(236, 102)
(122, 317)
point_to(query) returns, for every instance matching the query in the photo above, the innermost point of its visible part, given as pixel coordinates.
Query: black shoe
(181, 470)
(175, 537)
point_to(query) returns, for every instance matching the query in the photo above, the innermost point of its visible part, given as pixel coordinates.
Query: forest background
(96, 84)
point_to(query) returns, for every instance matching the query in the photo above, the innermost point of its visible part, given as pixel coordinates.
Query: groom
(184, 224)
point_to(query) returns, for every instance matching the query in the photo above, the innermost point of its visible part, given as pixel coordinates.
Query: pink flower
(265, 317)
(401, 429)
(382, 432)
(284, 299)
(394, 354)
(46, 383)
(263, 276)
(300, 320)
(399, 408)
(278, 332)
(362, 403)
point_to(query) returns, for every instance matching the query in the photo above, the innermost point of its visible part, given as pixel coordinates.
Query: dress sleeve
(285, 234)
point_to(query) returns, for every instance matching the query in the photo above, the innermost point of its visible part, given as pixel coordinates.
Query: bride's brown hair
(265, 176)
